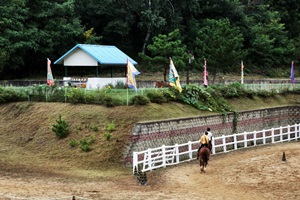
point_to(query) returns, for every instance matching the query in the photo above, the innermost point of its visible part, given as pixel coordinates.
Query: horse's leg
(201, 164)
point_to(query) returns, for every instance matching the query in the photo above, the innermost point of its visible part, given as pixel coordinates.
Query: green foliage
(107, 136)
(61, 128)
(139, 100)
(264, 33)
(169, 94)
(269, 42)
(73, 143)
(91, 37)
(85, 145)
(164, 47)
(25, 35)
(94, 128)
(204, 98)
(156, 97)
(266, 93)
(110, 127)
(75, 95)
(224, 49)
(8, 95)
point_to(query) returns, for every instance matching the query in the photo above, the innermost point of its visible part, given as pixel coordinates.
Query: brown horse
(162, 84)
(204, 154)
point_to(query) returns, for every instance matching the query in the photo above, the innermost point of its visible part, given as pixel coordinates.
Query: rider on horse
(204, 141)
(209, 135)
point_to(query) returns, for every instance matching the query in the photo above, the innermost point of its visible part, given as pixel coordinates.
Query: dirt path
(255, 173)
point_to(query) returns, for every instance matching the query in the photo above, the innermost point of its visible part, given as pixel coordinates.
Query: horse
(161, 84)
(204, 154)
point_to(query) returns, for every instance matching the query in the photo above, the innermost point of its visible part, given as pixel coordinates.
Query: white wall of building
(79, 58)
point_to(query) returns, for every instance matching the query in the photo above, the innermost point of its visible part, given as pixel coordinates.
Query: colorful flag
(292, 73)
(50, 80)
(242, 73)
(131, 73)
(174, 77)
(205, 75)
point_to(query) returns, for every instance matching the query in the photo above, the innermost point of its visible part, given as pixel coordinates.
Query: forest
(264, 34)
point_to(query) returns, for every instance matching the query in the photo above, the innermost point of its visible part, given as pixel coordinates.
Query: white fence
(171, 155)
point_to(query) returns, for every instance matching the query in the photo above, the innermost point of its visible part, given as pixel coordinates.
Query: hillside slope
(26, 136)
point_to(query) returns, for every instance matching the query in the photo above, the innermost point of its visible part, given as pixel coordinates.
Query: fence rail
(171, 155)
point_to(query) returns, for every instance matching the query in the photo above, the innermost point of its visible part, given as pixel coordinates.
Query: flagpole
(127, 82)
(242, 72)
(205, 83)
(292, 74)
(47, 80)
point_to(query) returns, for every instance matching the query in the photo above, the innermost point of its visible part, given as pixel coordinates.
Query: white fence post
(289, 133)
(177, 153)
(297, 131)
(135, 161)
(264, 136)
(254, 137)
(190, 150)
(163, 154)
(235, 141)
(224, 143)
(245, 139)
(213, 146)
(272, 135)
(281, 138)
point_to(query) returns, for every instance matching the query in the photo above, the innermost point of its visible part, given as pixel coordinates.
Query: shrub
(156, 97)
(8, 95)
(107, 136)
(139, 100)
(76, 95)
(85, 145)
(109, 101)
(94, 128)
(61, 128)
(73, 143)
(169, 95)
(110, 127)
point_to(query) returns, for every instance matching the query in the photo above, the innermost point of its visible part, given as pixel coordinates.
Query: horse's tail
(206, 155)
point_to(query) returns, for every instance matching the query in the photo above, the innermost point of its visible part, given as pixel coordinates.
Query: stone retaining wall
(154, 134)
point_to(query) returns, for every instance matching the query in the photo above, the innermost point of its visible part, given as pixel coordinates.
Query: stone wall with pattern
(154, 134)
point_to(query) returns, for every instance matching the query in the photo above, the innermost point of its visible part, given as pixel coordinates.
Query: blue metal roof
(104, 54)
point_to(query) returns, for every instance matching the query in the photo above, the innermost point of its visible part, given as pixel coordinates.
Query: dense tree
(290, 16)
(32, 30)
(165, 47)
(14, 39)
(269, 43)
(220, 44)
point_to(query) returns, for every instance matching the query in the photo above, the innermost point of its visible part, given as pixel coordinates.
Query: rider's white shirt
(209, 135)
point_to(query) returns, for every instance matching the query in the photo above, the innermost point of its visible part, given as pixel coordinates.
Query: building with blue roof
(98, 56)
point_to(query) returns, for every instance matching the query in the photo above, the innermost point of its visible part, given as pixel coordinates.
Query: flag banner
(292, 73)
(174, 77)
(131, 73)
(50, 80)
(205, 75)
(242, 72)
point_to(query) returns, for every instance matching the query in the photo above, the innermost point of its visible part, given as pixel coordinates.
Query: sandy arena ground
(254, 173)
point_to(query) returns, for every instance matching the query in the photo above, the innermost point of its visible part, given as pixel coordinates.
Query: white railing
(171, 155)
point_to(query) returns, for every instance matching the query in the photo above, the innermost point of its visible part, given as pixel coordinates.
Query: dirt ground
(254, 173)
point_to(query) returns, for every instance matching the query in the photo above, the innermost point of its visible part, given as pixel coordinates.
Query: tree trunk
(165, 74)
(146, 42)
